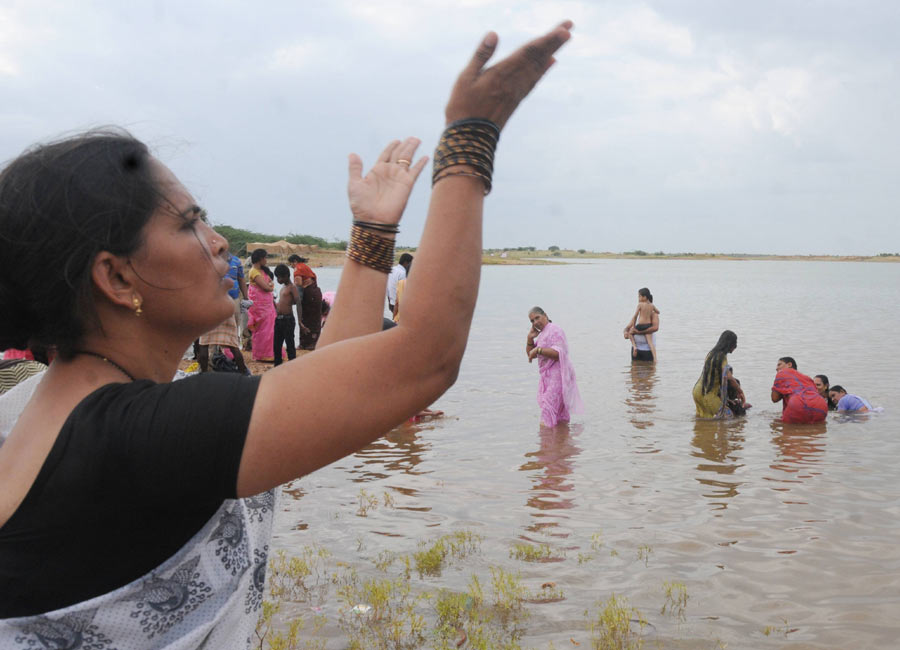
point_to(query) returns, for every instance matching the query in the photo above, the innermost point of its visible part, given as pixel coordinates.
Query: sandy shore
(255, 367)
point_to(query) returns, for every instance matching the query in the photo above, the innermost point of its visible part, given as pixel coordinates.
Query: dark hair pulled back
(712, 366)
(65, 202)
(789, 360)
(644, 291)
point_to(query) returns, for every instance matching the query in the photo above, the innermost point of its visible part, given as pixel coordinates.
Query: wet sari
(714, 403)
(261, 319)
(558, 394)
(801, 402)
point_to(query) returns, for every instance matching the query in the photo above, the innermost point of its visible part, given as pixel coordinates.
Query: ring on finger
(403, 161)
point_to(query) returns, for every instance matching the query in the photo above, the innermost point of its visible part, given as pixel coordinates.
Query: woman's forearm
(359, 309)
(550, 353)
(451, 273)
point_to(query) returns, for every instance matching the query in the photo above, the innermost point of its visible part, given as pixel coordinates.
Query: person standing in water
(643, 320)
(643, 339)
(558, 394)
(717, 394)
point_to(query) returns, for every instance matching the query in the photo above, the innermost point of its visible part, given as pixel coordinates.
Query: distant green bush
(238, 238)
(581, 251)
(636, 252)
(553, 248)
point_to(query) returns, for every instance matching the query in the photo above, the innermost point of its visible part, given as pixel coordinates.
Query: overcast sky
(681, 126)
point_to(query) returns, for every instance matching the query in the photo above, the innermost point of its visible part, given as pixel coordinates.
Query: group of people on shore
(717, 392)
(263, 322)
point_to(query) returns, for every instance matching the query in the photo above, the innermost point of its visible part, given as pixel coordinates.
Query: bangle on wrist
(369, 249)
(376, 226)
(468, 142)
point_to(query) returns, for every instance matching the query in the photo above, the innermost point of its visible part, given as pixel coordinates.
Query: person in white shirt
(397, 273)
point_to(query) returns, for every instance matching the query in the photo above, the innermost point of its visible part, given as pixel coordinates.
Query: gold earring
(137, 306)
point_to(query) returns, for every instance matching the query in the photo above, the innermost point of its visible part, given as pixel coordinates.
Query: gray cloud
(678, 126)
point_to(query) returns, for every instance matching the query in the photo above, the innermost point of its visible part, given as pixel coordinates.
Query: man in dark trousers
(311, 308)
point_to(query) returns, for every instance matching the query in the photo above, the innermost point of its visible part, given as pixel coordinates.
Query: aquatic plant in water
(611, 628)
(458, 545)
(299, 578)
(532, 553)
(676, 598)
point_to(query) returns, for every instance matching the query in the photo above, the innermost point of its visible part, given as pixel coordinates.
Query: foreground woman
(558, 394)
(136, 513)
(801, 402)
(717, 394)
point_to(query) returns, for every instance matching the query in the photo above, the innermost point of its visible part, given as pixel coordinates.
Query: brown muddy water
(783, 536)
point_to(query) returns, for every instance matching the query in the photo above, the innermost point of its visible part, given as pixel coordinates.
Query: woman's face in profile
(182, 262)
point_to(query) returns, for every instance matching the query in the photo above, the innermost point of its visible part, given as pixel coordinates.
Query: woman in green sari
(717, 394)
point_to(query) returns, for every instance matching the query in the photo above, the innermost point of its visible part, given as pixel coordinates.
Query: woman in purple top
(847, 401)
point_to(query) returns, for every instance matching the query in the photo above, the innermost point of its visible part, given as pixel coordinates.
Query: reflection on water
(549, 468)
(799, 449)
(640, 402)
(719, 441)
(640, 378)
(398, 452)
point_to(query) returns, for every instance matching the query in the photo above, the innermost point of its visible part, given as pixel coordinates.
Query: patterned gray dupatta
(207, 595)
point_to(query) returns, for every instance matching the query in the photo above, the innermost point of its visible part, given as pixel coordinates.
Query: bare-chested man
(288, 297)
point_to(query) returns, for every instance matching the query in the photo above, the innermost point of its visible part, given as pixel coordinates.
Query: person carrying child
(288, 297)
(643, 320)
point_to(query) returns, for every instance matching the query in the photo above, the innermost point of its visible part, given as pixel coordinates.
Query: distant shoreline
(547, 257)
(491, 257)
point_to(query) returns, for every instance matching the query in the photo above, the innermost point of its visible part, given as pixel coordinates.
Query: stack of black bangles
(391, 228)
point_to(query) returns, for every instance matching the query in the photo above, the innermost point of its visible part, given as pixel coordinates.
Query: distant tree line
(238, 238)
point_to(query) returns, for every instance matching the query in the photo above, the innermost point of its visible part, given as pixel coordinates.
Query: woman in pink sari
(558, 394)
(261, 315)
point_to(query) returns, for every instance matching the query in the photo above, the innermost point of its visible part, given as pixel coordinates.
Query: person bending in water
(288, 297)
(800, 401)
(643, 320)
(848, 402)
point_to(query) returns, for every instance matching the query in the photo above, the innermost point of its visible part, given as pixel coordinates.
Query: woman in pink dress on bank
(558, 394)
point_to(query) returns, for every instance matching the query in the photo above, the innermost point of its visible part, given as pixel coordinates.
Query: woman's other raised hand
(381, 195)
(494, 93)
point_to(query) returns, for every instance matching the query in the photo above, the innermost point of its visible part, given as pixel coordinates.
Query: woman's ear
(113, 279)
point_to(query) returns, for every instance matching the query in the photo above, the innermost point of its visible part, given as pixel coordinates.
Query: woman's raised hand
(494, 93)
(381, 194)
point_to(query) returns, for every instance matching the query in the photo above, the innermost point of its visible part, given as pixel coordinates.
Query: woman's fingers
(416, 169)
(494, 93)
(388, 150)
(354, 167)
(405, 152)
(483, 54)
(538, 54)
